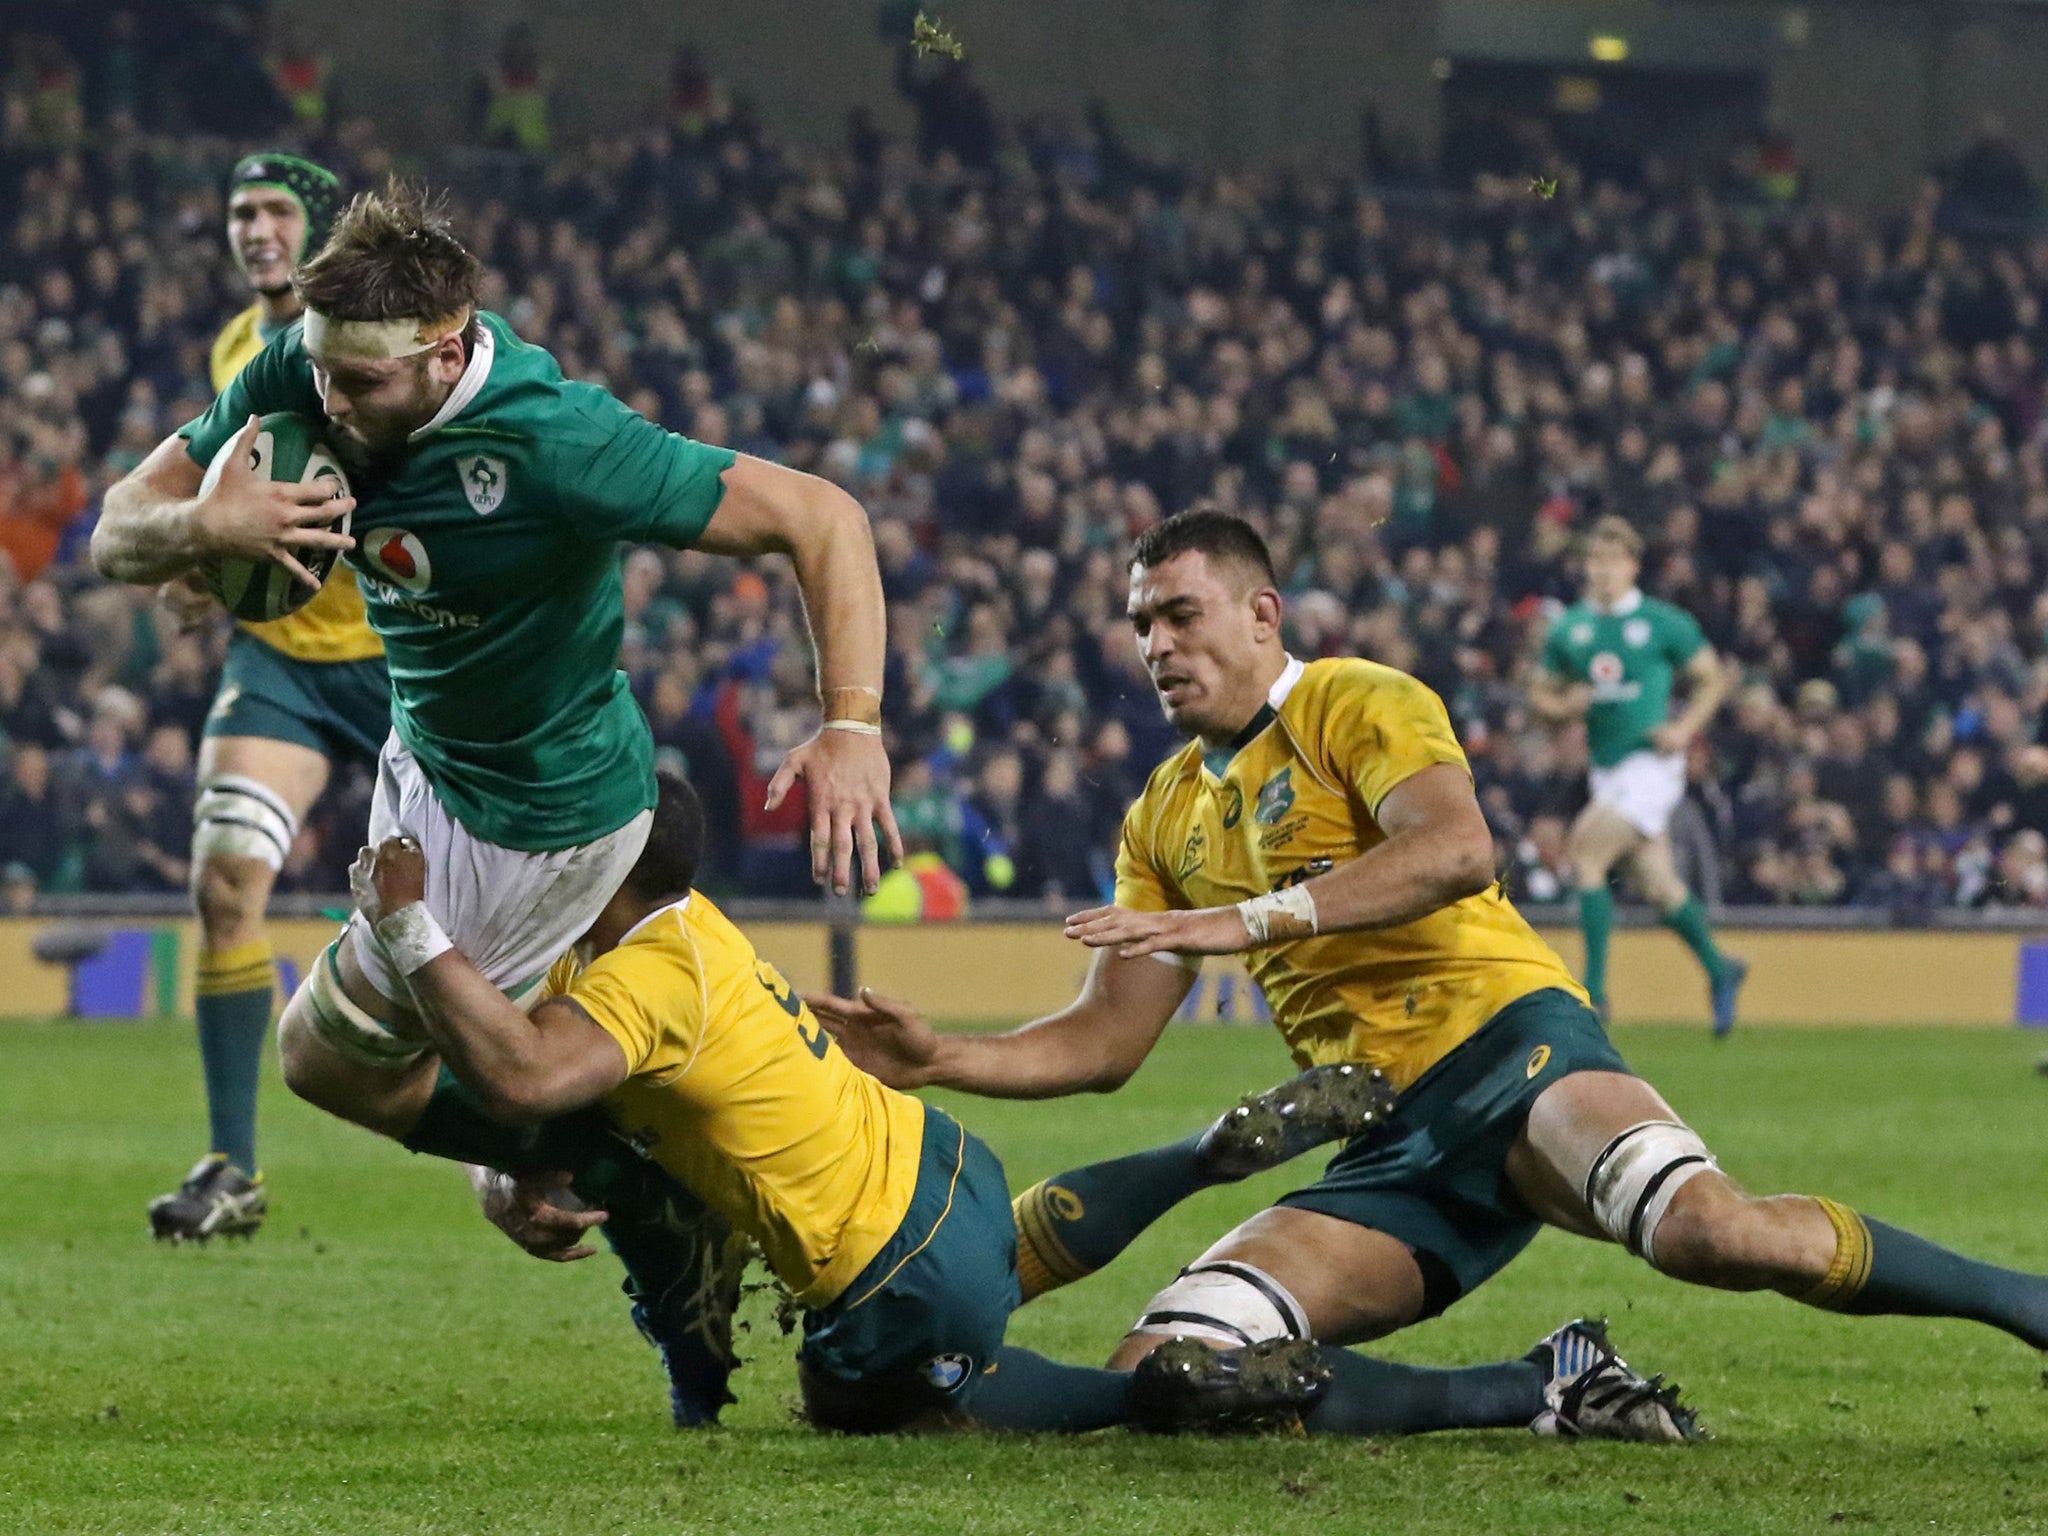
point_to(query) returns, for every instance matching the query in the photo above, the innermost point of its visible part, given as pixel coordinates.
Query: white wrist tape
(411, 938)
(1279, 916)
(853, 727)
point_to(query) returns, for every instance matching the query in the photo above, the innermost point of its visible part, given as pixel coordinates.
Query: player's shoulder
(1166, 783)
(1572, 614)
(666, 947)
(1669, 615)
(1349, 683)
(239, 329)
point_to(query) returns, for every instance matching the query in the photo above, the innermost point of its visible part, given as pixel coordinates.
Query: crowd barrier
(135, 959)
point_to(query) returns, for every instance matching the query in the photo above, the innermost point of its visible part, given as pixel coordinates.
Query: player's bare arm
(1093, 1045)
(156, 526)
(1556, 700)
(1437, 851)
(1709, 682)
(770, 509)
(523, 1067)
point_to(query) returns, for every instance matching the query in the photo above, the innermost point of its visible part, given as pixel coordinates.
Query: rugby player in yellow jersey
(1323, 823)
(297, 696)
(888, 1222)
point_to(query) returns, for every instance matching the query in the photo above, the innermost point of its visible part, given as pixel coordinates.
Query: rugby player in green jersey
(1612, 659)
(491, 498)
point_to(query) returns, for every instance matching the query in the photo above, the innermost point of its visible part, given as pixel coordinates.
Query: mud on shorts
(1434, 1175)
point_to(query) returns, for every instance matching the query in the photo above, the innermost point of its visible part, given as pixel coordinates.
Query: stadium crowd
(1018, 344)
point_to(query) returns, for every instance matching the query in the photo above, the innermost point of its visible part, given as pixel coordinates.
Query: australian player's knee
(229, 894)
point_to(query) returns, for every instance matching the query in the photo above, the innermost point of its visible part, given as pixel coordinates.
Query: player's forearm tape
(1279, 916)
(411, 938)
(854, 727)
(853, 703)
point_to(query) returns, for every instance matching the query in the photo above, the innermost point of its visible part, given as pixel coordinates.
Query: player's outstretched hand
(252, 518)
(1208, 931)
(848, 776)
(535, 1211)
(883, 1037)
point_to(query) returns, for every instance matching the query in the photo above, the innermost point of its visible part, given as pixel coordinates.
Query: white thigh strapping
(512, 913)
(1644, 788)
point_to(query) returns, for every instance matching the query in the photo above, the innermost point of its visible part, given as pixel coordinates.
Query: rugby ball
(288, 447)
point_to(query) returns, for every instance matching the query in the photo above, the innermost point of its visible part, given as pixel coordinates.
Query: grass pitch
(378, 1360)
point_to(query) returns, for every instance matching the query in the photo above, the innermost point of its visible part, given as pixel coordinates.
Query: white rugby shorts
(1644, 788)
(512, 913)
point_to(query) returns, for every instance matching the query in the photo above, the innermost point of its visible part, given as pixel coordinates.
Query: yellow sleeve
(1140, 885)
(561, 976)
(649, 998)
(1381, 727)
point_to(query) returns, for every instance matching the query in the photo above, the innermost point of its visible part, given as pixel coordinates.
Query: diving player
(887, 1221)
(492, 496)
(1323, 824)
(1612, 659)
(297, 696)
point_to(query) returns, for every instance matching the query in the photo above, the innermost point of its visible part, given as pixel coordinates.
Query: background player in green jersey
(1612, 658)
(491, 498)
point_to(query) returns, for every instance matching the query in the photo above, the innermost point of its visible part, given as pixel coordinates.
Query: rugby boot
(217, 1199)
(1185, 1384)
(1323, 1104)
(1725, 989)
(1590, 1392)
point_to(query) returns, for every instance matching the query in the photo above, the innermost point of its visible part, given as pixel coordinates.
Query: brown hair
(393, 255)
(1617, 530)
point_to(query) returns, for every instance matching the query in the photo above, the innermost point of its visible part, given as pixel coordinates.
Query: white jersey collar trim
(1283, 685)
(658, 912)
(468, 387)
(1629, 603)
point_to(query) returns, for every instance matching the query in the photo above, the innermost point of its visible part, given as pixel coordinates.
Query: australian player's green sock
(1689, 922)
(235, 992)
(1881, 1270)
(1378, 1397)
(1073, 1223)
(1596, 922)
(1026, 1392)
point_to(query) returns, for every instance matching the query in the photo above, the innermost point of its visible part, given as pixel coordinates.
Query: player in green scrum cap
(297, 697)
(491, 497)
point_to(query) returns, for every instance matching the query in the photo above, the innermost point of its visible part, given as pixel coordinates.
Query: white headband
(377, 338)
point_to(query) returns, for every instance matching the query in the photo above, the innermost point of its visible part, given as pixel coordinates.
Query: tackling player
(1612, 659)
(1323, 823)
(297, 696)
(492, 496)
(888, 1221)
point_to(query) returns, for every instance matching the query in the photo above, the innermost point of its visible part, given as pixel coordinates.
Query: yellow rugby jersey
(333, 626)
(737, 1090)
(1294, 802)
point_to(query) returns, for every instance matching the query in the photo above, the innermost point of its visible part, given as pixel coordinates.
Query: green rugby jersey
(1631, 657)
(489, 557)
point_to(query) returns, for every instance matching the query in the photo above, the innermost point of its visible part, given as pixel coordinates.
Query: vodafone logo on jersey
(399, 558)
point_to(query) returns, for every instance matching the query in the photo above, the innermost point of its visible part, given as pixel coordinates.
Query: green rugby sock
(1378, 1397)
(1881, 1270)
(1596, 922)
(1073, 1223)
(1689, 922)
(233, 1006)
(1026, 1392)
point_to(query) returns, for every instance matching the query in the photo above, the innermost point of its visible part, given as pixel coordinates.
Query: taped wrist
(1279, 916)
(411, 938)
